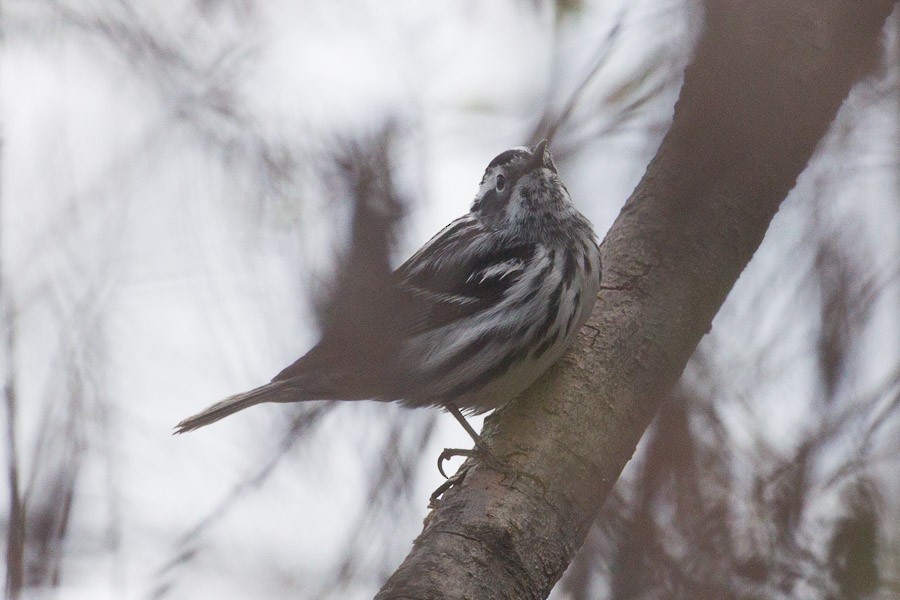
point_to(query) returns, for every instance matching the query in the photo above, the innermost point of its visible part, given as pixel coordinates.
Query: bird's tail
(276, 391)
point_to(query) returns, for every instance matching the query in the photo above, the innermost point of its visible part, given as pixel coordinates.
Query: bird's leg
(448, 453)
(465, 424)
(480, 452)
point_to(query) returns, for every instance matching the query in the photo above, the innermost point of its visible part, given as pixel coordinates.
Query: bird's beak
(541, 158)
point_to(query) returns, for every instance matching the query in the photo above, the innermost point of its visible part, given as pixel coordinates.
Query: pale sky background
(153, 262)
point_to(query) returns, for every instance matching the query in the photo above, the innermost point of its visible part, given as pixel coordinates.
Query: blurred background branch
(171, 211)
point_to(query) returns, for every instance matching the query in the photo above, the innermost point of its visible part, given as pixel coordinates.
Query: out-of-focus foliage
(179, 190)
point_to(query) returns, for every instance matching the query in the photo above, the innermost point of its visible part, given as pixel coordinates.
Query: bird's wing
(461, 271)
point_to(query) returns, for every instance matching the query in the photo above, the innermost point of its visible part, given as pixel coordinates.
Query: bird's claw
(451, 481)
(481, 455)
(457, 477)
(449, 453)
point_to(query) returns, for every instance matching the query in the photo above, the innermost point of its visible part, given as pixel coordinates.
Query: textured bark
(767, 80)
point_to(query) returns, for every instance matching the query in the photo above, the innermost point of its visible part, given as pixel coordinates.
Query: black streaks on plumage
(491, 203)
(494, 372)
(569, 267)
(465, 353)
(481, 284)
(458, 228)
(458, 234)
(440, 292)
(536, 285)
(552, 314)
(575, 303)
(545, 345)
(507, 157)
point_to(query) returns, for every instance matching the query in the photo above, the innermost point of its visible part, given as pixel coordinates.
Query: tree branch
(767, 80)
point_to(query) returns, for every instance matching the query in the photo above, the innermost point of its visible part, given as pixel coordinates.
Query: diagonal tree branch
(767, 79)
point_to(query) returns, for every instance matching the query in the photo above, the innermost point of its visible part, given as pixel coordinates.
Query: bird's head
(521, 189)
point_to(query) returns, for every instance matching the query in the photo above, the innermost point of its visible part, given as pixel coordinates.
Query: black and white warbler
(482, 309)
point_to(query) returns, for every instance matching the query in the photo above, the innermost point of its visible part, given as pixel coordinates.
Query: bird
(472, 318)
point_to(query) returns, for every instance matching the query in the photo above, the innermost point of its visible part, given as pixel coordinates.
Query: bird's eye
(501, 182)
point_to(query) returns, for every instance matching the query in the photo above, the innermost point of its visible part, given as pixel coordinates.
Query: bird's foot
(448, 453)
(457, 479)
(479, 454)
